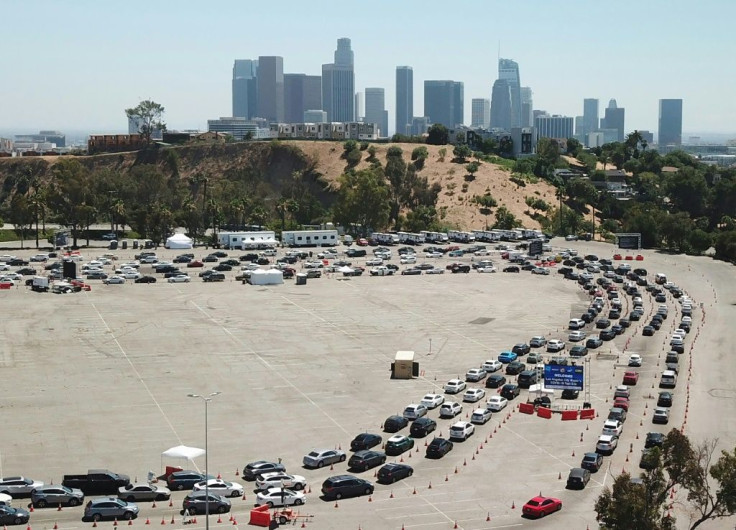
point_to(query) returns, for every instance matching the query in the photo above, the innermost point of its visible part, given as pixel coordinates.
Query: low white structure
(179, 241)
(266, 277)
(246, 240)
(310, 238)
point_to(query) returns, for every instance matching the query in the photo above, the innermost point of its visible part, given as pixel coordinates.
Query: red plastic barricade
(526, 408)
(587, 414)
(544, 412)
(568, 415)
(260, 516)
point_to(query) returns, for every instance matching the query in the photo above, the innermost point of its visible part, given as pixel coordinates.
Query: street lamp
(206, 400)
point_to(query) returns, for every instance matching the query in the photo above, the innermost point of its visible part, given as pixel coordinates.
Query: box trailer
(310, 238)
(247, 240)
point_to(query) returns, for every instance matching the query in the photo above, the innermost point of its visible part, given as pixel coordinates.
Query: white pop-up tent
(266, 277)
(183, 454)
(179, 241)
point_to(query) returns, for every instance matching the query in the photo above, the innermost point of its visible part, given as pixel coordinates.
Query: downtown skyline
(108, 66)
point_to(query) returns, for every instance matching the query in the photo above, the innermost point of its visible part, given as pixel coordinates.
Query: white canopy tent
(179, 241)
(269, 277)
(182, 452)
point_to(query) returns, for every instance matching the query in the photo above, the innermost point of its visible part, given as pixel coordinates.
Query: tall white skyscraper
(338, 85)
(359, 109)
(404, 99)
(527, 107)
(508, 70)
(375, 109)
(480, 113)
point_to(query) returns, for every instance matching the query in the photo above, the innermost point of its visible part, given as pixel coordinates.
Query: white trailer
(247, 240)
(310, 238)
(386, 239)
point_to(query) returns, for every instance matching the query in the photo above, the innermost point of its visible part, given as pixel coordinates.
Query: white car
(374, 262)
(486, 269)
(613, 427)
(481, 252)
(313, 265)
(327, 254)
(455, 386)
(408, 259)
(414, 411)
(130, 265)
(450, 409)
(131, 274)
(432, 401)
(12, 276)
(473, 395)
(433, 254)
(104, 260)
(381, 270)
(40, 258)
(114, 280)
(182, 278)
(149, 259)
(4, 267)
(475, 374)
(540, 270)
(480, 416)
(461, 430)
(18, 486)
(492, 365)
(497, 403)
(250, 267)
(555, 345)
(278, 479)
(576, 336)
(221, 487)
(322, 457)
(435, 270)
(280, 497)
(635, 360)
(606, 444)
(7, 257)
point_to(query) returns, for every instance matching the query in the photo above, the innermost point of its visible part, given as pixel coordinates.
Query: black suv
(214, 277)
(422, 427)
(510, 391)
(252, 470)
(365, 441)
(364, 460)
(439, 448)
(394, 423)
(345, 486)
(184, 480)
(654, 439)
(521, 349)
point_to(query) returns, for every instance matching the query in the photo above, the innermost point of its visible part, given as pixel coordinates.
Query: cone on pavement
(244, 495)
(430, 485)
(559, 475)
(235, 523)
(446, 478)
(219, 519)
(154, 504)
(392, 495)
(336, 505)
(56, 526)
(130, 522)
(465, 461)
(456, 526)
(414, 492)
(219, 477)
(163, 521)
(370, 498)
(172, 520)
(456, 470)
(513, 506)
(237, 472)
(30, 509)
(59, 508)
(94, 524)
(332, 467)
(148, 521)
(488, 517)
(573, 452)
(115, 522)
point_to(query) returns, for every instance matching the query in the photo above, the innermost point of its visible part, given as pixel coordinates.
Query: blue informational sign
(563, 377)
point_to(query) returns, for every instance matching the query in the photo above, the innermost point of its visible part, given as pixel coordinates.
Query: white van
(660, 278)
(575, 324)
(668, 379)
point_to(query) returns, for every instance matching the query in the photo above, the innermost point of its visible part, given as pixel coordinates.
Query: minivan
(575, 324)
(345, 486)
(668, 379)
(527, 378)
(578, 478)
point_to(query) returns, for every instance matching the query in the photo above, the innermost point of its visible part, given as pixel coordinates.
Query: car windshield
(533, 503)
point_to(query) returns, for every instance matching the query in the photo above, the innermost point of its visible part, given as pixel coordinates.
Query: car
(366, 459)
(491, 365)
(622, 391)
(647, 331)
(97, 276)
(592, 462)
(422, 427)
(654, 439)
(280, 497)
(606, 444)
(56, 495)
(621, 402)
(614, 427)
(555, 345)
(434, 270)
(635, 360)
(616, 413)
(537, 342)
(541, 506)
(515, 368)
(506, 357)
(411, 272)
(279, 479)
(461, 430)
(578, 478)
(486, 269)
(576, 336)
(18, 487)
(475, 374)
(521, 348)
(181, 278)
(365, 441)
(398, 444)
(39, 258)
(593, 342)
(185, 479)
(497, 403)
(455, 386)
(512, 268)
(322, 457)
(578, 351)
(408, 259)
(438, 448)
(648, 459)
(570, 393)
(602, 323)
(221, 487)
(543, 271)
(144, 492)
(414, 411)
(432, 401)
(661, 415)
(480, 416)
(112, 280)
(395, 423)
(391, 472)
(145, 279)
(664, 399)
(630, 377)
(510, 391)
(495, 381)
(259, 467)
(473, 395)
(341, 486)
(110, 508)
(450, 409)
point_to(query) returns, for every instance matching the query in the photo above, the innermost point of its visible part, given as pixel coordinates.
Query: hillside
(319, 162)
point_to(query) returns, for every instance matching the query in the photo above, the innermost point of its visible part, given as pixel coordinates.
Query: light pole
(206, 400)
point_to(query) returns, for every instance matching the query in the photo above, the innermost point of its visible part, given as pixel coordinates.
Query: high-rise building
(579, 127)
(271, 88)
(338, 85)
(359, 107)
(670, 122)
(481, 113)
(590, 116)
(315, 116)
(245, 88)
(554, 127)
(443, 102)
(404, 99)
(614, 119)
(375, 110)
(509, 71)
(301, 93)
(501, 105)
(527, 106)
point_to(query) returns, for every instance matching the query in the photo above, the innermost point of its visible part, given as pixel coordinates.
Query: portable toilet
(404, 366)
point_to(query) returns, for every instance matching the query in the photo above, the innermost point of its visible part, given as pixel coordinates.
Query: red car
(195, 263)
(621, 403)
(631, 378)
(362, 242)
(541, 506)
(504, 255)
(79, 283)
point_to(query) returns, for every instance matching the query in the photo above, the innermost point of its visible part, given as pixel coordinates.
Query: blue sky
(77, 64)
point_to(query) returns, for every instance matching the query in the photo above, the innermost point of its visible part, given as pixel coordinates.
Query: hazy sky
(77, 64)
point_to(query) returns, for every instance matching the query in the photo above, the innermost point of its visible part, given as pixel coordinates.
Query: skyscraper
(375, 109)
(509, 71)
(338, 85)
(614, 119)
(245, 88)
(359, 107)
(271, 88)
(501, 105)
(590, 117)
(670, 122)
(527, 106)
(554, 127)
(301, 93)
(443, 102)
(481, 113)
(404, 99)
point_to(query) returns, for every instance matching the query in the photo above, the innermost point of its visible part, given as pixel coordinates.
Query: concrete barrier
(568, 415)
(544, 412)
(526, 408)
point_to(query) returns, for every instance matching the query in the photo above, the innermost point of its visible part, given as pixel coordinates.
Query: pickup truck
(381, 270)
(97, 482)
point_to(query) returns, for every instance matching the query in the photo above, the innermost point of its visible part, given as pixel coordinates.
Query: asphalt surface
(99, 379)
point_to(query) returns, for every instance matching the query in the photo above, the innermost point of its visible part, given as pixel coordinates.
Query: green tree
(688, 190)
(419, 155)
(149, 116)
(676, 229)
(461, 152)
(437, 135)
(573, 147)
(70, 188)
(472, 169)
(581, 192)
(21, 215)
(353, 158)
(505, 220)
(485, 203)
(726, 246)
(395, 172)
(362, 201)
(421, 218)
(349, 145)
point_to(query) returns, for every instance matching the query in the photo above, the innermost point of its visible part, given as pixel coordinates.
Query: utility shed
(404, 366)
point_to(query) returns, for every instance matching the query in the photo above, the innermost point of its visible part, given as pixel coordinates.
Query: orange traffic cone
(163, 521)
(171, 503)
(235, 523)
(130, 522)
(513, 506)
(219, 519)
(94, 524)
(370, 498)
(56, 526)
(430, 485)
(456, 526)
(219, 477)
(148, 521)
(336, 505)
(392, 495)
(115, 522)
(172, 520)
(414, 492)
(59, 508)
(153, 505)
(237, 473)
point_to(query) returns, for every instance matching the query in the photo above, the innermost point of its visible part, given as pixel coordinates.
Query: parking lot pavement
(100, 379)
